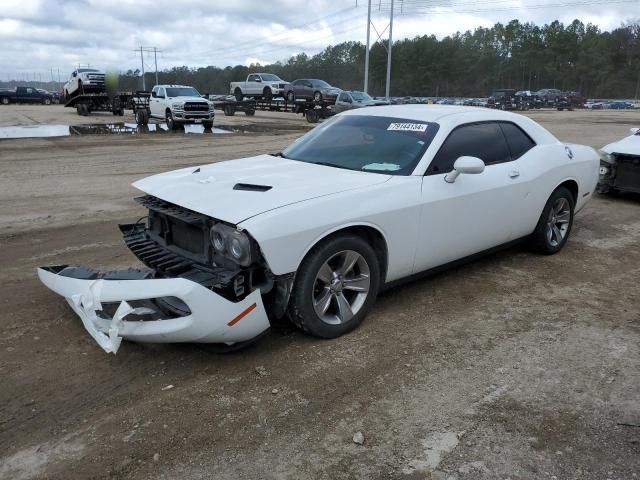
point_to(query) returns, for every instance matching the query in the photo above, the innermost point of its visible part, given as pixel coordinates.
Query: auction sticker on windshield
(408, 127)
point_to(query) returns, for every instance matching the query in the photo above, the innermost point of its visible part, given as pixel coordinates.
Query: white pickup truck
(259, 85)
(179, 104)
(84, 80)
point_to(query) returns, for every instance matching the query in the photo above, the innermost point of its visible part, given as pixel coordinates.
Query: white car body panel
(627, 146)
(213, 319)
(424, 221)
(210, 190)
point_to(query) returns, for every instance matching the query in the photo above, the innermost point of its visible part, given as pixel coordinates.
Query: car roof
(450, 116)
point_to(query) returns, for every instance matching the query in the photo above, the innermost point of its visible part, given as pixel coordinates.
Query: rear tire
(142, 117)
(5, 101)
(335, 287)
(554, 225)
(47, 101)
(250, 112)
(229, 110)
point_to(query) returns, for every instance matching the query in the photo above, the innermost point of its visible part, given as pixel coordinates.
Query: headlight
(176, 105)
(274, 85)
(232, 244)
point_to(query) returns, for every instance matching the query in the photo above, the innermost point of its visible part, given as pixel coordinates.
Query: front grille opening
(187, 237)
(162, 308)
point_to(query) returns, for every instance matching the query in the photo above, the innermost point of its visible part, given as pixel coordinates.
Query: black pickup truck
(24, 95)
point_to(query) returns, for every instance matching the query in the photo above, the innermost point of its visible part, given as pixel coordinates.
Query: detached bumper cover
(210, 319)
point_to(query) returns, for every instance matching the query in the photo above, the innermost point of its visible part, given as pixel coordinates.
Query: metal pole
(389, 52)
(366, 53)
(142, 64)
(155, 59)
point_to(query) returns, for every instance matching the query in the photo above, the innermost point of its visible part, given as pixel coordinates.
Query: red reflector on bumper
(242, 314)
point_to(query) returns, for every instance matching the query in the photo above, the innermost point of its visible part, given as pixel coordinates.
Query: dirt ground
(516, 366)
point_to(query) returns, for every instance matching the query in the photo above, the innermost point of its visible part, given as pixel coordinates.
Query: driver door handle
(514, 174)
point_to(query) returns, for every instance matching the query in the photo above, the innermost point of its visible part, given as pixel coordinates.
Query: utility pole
(389, 52)
(142, 64)
(366, 53)
(155, 60)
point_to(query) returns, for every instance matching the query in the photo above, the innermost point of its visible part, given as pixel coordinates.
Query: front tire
(554, 225)
(335, 287)
(207, 125)
(317, 97)
(291, 97)
(238, 94)
(171, 123)
(5, 101)
(267, 94)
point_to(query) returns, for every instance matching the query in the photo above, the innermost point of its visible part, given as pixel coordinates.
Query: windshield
(268, 77)
(182, 92)
(387, 145)
(82, 70)
(320, 83)
(361, 97)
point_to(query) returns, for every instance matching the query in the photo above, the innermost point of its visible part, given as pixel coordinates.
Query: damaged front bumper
(134, 306)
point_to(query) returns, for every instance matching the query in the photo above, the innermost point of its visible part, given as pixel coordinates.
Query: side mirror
(74, 74)
(464, 165)
(259, 80)
(153, 94)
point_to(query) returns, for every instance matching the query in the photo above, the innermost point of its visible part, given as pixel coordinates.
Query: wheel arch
(370, 232)
(570, 184)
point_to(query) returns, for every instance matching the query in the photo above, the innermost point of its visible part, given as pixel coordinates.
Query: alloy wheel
(558, 221)
(341, 287)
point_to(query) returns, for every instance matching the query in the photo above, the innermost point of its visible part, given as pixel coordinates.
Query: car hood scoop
(249, 187)
(236, 190)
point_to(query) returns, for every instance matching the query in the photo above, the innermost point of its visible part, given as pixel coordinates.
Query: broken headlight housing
(232, 244)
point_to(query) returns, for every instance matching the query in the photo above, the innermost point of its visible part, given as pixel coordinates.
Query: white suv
(180, 104)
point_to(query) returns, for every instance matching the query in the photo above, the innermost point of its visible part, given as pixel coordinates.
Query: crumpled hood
(209, 189)
(627, 146)
(188, 99)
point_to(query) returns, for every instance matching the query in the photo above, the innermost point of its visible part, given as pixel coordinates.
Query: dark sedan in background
(311, 89)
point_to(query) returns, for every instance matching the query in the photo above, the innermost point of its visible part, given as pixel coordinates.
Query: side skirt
(456, 263)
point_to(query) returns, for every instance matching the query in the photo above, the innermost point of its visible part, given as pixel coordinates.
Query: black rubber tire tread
(238, 94)
(301, 311)
(250, 113)
(538, 240)
(207, 125)
(171, 125)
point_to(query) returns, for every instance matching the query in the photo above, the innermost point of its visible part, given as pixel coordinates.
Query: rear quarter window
(519, 142)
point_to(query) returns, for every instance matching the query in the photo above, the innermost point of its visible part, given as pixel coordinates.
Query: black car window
(296, 82)
(342, 97)
(482, 140)
(518, 141)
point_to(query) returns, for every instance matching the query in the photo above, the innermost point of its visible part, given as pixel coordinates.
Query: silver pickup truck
(259, 85)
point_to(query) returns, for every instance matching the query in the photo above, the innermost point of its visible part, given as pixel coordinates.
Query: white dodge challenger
(364, 200)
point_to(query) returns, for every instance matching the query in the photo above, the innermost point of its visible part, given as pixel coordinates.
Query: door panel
(473, 214)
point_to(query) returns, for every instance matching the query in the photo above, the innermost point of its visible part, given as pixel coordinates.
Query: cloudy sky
(39, 37)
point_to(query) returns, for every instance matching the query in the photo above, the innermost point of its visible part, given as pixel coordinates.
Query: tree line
(578, 57)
